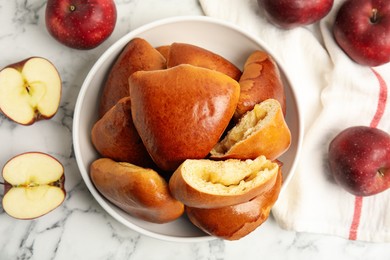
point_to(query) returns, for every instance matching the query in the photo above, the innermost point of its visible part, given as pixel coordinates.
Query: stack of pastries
(182, 130)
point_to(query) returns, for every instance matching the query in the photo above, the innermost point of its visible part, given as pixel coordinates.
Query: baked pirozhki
(141, 192)
(137, 55)
(184, 53)
(114, 136)
(213, 184)
(164, 50)
(261, 131)
(237, 221)
(259, 81)
(181, 112)
(181, 130)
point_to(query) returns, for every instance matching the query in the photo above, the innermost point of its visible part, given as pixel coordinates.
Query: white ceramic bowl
(217, 36)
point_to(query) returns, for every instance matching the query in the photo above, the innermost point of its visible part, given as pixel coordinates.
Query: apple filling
(230, 176)
(250, 123)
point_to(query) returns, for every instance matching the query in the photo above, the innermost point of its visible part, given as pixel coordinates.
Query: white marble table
(80, 228)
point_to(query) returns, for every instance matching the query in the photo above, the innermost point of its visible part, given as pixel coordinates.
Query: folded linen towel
(334, 93)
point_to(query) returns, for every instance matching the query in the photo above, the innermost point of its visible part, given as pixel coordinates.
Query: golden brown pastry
(181, 112)
(213, 184)
(164, 50)
(137, 55)
(114, 136)
(259, 81)
(261, 131)
(184, 53)
(237, 221)
(167, 108)
(140, 192)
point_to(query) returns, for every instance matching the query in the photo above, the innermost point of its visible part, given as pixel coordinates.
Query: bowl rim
(106, 54)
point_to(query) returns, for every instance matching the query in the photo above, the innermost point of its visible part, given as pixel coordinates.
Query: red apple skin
(81, 24)
(359, 159)
(365, 38)
(289, 14)
(7, 187)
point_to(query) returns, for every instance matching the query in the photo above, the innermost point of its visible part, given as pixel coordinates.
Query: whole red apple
(81, 24)
(289, 14)
(359, 159)
(362, 30)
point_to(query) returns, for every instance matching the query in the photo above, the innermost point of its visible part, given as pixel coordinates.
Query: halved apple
(30, 90)
(34, 185)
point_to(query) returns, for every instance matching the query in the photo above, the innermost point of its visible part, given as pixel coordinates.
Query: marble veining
(80, 228)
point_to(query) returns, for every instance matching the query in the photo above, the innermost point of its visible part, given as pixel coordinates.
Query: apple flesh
(34, 185)
(81, 24)
(288, 14)
(359, 159)
(30, 90)
(362, 30)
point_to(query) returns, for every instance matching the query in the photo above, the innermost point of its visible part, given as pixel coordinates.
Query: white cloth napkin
(334, 93)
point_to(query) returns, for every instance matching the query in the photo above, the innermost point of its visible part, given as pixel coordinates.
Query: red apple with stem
(81, 24)
(362, 30)
(359, 159)
(289, 14)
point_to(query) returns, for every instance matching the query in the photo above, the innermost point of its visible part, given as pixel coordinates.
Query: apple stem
(374, 16)
(2, 183)
(72, 8)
